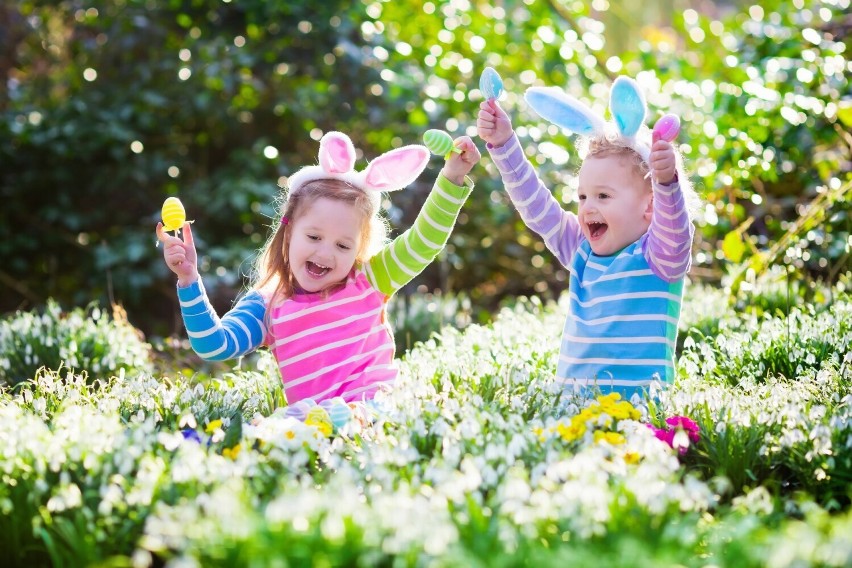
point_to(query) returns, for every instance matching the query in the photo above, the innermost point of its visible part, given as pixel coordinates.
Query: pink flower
(685, 424)
(674, 425)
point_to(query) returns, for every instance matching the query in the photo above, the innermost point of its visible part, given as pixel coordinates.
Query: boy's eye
(603, 196)
(582, 197)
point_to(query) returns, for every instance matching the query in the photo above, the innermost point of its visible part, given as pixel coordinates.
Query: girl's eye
(582, 197)
(603, 196)
(344, 247)
(313, 237)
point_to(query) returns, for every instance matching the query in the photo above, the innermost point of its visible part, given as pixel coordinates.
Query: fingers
(187, 235)
(161, 233)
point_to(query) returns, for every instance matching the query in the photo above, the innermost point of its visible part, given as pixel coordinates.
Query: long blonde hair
(272, 272)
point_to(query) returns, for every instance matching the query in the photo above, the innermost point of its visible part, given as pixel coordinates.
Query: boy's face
(615, 203)
(324, 243)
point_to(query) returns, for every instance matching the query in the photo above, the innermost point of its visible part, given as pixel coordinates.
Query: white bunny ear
(563, 110)
(396, 169)
(336, 153)
(627, 104)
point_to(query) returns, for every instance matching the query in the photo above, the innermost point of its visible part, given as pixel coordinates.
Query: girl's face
(615, 203)
(324, 243)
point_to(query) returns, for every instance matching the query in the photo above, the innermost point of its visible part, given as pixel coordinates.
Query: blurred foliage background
(109, 107)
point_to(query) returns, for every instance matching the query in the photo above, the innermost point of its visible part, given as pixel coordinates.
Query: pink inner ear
(336, 153)
(397, 168)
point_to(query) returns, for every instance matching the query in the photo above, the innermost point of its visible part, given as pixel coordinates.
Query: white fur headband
(626, 103)
(391, 171)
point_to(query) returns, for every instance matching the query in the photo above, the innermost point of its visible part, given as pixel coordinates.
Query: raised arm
(412, 251)
(238, 332)
(540, 211)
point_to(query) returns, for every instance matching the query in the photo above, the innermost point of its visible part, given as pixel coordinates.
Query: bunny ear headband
(389, 172)
(626, 103)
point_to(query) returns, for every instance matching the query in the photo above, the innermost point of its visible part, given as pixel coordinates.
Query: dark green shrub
(86, 340)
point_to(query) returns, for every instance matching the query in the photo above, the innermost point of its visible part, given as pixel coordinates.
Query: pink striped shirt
(340, 345)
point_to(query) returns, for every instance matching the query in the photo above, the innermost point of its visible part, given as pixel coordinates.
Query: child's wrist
(188, 281)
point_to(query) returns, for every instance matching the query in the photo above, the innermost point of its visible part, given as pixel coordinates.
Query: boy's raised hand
(493, 124)
(459, 164)
(180, 255)
(662, 162)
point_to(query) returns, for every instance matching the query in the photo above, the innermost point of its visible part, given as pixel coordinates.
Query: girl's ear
(396, 169)
(563, 110)
(627, 105)
(336, 153)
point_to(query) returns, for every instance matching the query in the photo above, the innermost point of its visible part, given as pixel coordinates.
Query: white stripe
(413, 254)
(625, 274)
(336, 344)
(608, 361)
(437, 225)
(376, 385)
(625, 296)
(544, 212)
(608, 382)
(447, 196)
(210, 354)
(326, 327)
(190, 303)
(400, 264)
(352, 378)
(613, 340)
(329, 368)
(322, 307)
(203, 333)
(429, 243)
(595, 266)
(641, 317)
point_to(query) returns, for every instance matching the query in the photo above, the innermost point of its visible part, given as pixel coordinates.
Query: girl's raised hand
(180, 255)
(458, 165)
(493, 125)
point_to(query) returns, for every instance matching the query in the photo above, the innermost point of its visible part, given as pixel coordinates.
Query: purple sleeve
(538, 208)
(668, 248)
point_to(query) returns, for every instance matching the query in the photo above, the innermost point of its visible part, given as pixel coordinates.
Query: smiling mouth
(597, 230)
(316, 270)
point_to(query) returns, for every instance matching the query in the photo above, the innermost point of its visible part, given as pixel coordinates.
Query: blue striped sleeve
(238, 332)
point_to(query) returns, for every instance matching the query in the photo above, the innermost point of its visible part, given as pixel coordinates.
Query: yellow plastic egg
(174, 215)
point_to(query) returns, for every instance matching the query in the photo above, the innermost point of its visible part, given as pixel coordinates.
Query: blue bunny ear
(627, 105)
(563, 110)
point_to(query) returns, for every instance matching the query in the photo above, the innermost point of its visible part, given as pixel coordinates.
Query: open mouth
(597, 230)
(316, 270)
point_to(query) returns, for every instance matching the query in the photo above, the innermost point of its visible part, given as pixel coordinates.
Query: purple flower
(191, 434)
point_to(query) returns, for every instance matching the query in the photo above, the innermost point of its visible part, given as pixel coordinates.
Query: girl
(627, 248)
(325, 276)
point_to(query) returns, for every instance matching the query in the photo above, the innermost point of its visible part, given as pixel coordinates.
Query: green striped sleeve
(408, 254)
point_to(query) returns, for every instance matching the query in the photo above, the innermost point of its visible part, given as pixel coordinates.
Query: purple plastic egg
(667, 128)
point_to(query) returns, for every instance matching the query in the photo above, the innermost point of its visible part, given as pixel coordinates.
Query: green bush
(86, 340)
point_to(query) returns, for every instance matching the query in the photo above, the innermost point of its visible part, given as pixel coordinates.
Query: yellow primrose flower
(631, 457)
(232, 452)
(612, 438)
(571, 432)
(213, 426)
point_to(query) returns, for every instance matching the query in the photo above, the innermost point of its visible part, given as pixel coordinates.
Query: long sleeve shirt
(335, 345)
(621, 329)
